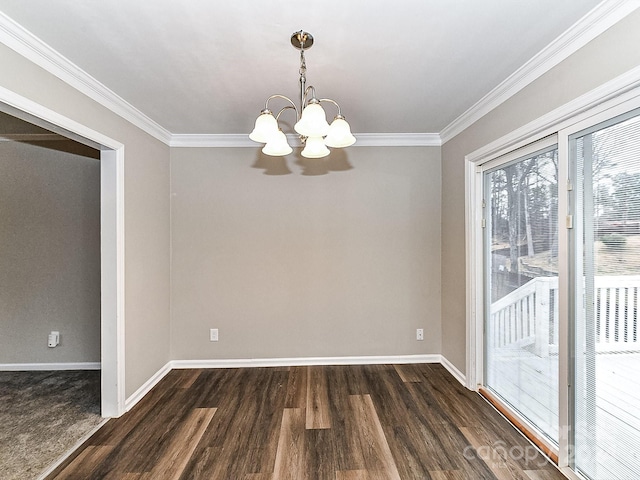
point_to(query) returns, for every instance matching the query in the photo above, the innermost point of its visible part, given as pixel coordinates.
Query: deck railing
(528, 316)
(616, 313)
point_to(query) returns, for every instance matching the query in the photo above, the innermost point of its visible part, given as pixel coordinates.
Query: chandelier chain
(303, 80)
(303, 63)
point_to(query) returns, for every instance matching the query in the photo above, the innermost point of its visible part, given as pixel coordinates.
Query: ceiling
(207, 67)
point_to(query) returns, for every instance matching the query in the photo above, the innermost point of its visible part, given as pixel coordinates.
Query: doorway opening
(111, 238)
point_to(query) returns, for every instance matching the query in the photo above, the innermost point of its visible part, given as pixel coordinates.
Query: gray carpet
(42, 416)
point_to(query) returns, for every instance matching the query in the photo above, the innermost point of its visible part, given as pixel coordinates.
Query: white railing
(523, 317)
(616, 313)
(528, 316)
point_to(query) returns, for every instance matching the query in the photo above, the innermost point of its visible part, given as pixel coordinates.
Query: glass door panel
(606, 166)
(521, 265)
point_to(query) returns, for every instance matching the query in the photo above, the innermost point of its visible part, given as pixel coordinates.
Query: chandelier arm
(331, 101)
(293, 105)
(313, 91)
(305, 95)
(288, 107)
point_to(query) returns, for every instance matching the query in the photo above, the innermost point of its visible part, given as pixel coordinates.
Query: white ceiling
(207, 67)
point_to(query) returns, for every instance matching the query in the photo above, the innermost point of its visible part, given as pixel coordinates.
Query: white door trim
(111, 237)
(606, 101)
(608, 95)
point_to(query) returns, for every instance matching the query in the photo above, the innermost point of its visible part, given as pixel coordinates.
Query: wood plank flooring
(365, 422)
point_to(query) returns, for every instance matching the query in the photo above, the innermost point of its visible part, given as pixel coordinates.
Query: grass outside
(624, 260)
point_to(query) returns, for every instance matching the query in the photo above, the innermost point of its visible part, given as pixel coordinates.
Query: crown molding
(241, 140)
(603, 16)
(398, 140)
(621, 89)
(230, 140)
(16, 37)
(606, 14)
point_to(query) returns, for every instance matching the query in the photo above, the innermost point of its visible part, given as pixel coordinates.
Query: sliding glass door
(521, 280)
(605, 171)
(558, 225)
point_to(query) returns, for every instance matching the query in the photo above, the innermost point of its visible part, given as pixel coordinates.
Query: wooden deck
(530, 383)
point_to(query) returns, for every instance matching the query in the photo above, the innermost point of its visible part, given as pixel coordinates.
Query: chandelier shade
(265, 128)
(277, 145)
(315, 148)
(339, 135)
(311, 120)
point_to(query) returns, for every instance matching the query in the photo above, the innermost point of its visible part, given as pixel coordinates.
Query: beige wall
(50, 261)
(611, 54)
(302, 265)
(342, 264)
(146, 211)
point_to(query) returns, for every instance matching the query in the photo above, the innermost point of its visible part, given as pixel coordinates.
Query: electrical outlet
(213, 335)
(54, 339)
(419, 334)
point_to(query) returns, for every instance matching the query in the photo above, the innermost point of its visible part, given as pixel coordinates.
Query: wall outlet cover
(54, 339)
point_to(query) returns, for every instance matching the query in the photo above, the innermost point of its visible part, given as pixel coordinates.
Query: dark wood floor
(370, 422)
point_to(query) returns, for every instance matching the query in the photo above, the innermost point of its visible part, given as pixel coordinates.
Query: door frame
(618, 91)
(610, 99)
(112, 238)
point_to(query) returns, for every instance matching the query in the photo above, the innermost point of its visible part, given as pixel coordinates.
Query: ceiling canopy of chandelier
(311, 121)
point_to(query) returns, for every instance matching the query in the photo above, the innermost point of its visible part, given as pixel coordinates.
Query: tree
(625, 197)
(516, 179)
(524, 203)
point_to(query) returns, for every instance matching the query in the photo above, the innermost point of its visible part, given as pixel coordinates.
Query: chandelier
(311, 121)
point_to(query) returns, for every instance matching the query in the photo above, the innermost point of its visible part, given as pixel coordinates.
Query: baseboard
(457, 374)
(303, 361)
(287, 362)
(20, 367)
(130, 402)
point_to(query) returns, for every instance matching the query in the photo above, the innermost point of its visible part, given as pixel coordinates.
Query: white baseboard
(457, 374)
(303, 361)
(287, 362)
(146, 387)
(20, 367)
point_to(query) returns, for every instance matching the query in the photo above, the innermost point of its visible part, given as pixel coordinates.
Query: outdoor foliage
(524, 206)
(614, 241)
